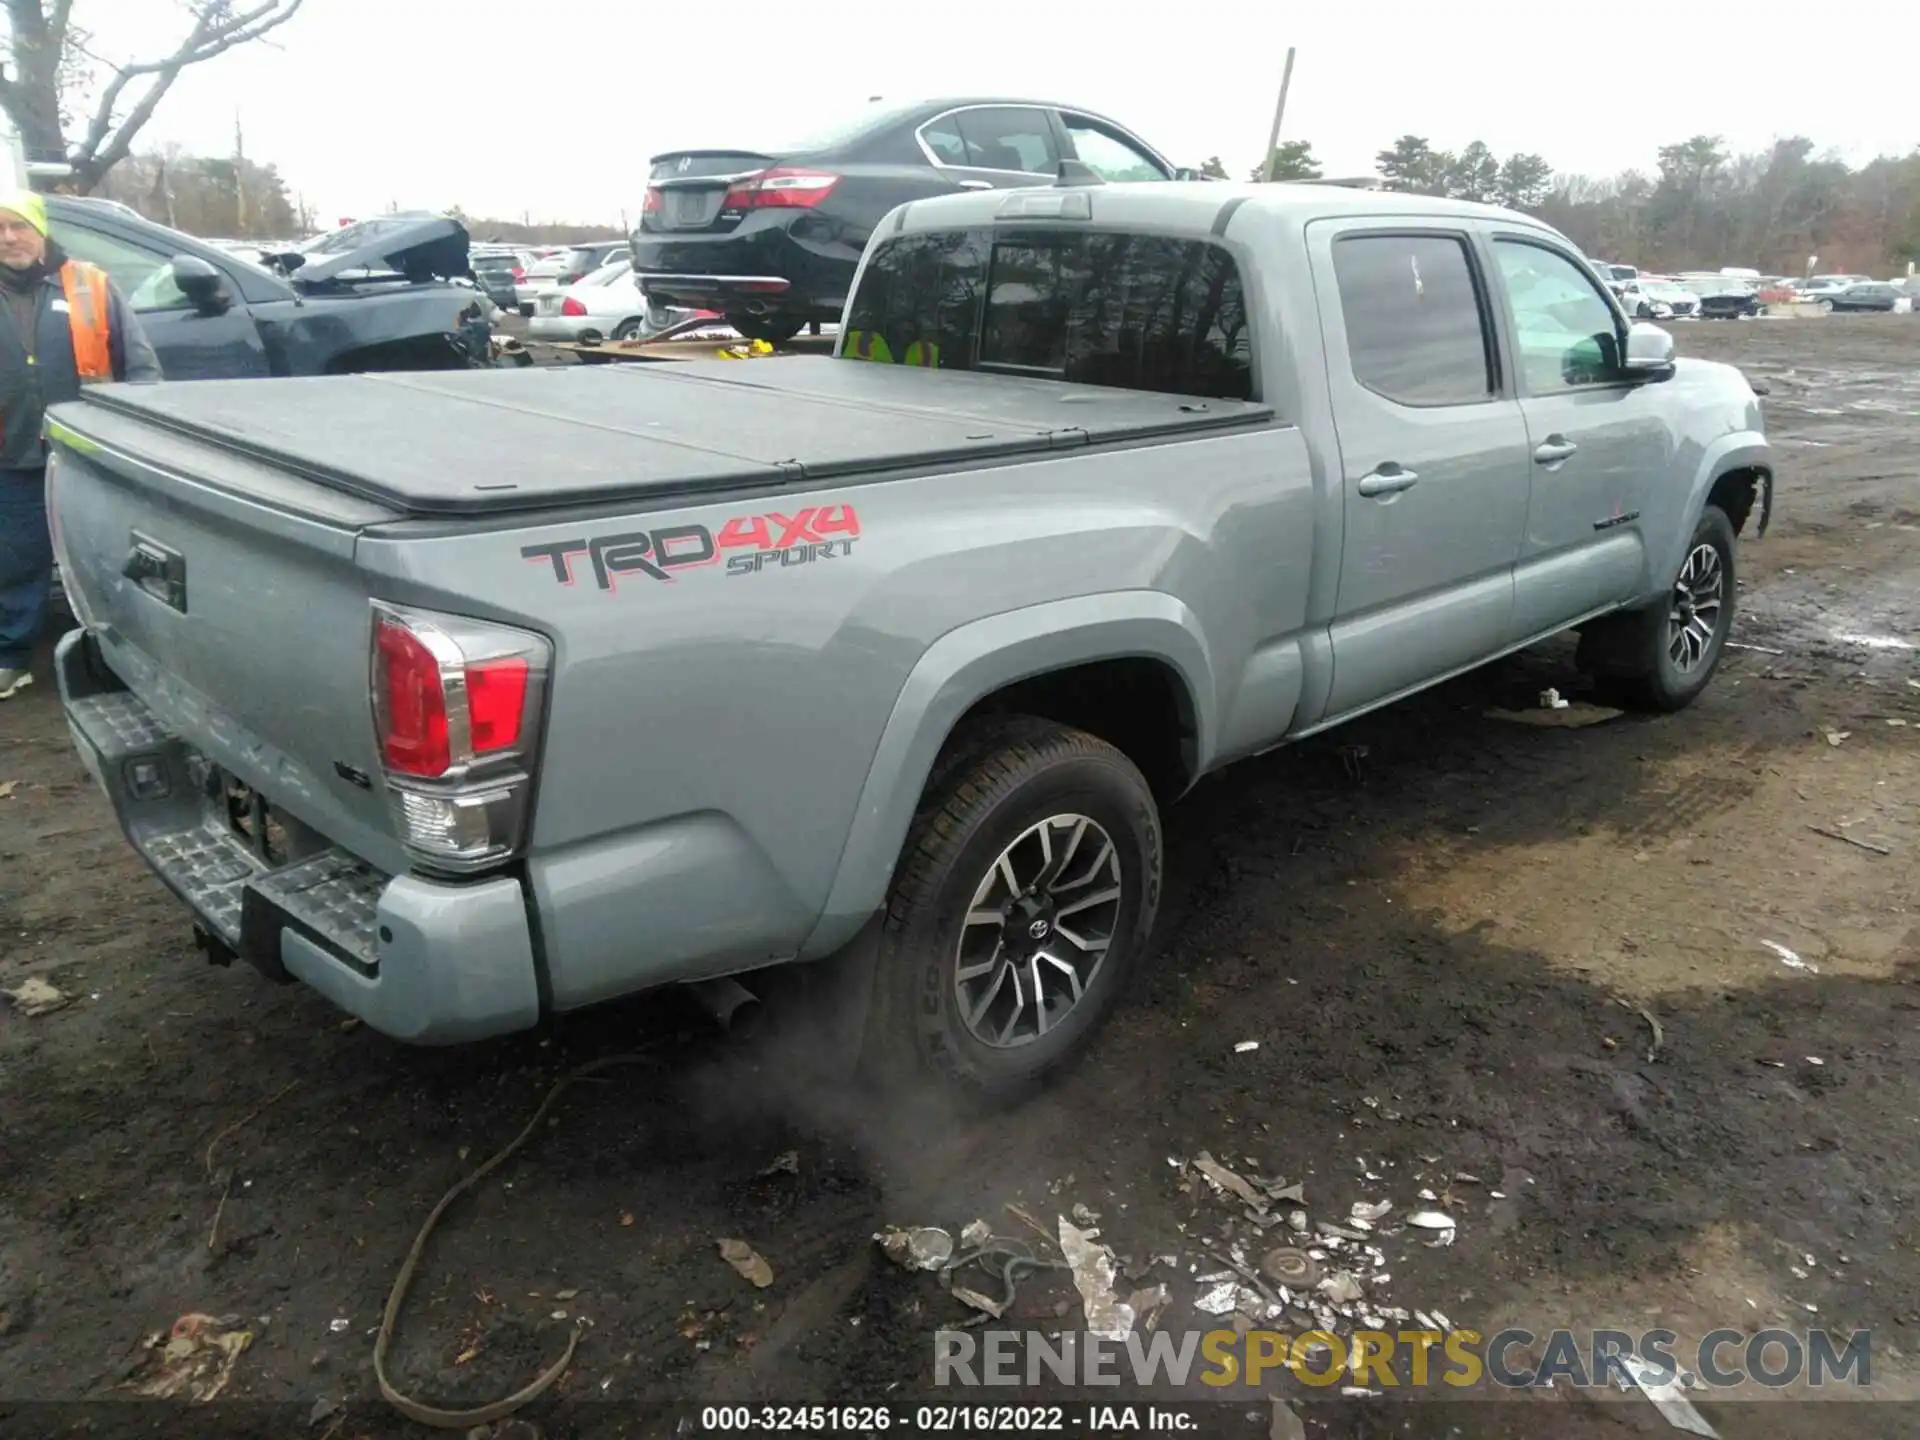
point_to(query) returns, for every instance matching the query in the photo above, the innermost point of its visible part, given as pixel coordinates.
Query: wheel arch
(1067, 660)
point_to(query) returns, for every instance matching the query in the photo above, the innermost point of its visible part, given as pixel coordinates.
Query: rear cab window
(1120, 309)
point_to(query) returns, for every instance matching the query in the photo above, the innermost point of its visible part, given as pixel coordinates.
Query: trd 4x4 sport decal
(747, 543)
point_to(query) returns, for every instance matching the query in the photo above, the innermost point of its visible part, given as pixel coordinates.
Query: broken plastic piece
(1223, 1179)
(1092, 1267)
(927, 1248)
(1668, 1398)
(1246, 1045)
(1365, 1212)
(975, 1235)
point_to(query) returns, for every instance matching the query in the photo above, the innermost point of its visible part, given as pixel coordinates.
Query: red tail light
(519, 274)
(456, 710)
(784, 187)
(651, 204)
(410, 702)
(496, 703)
(572, 306)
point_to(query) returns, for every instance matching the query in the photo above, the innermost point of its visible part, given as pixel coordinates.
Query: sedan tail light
(784, 187)
(456, 708)
(519, 274)
(572, 306)
(652, 203)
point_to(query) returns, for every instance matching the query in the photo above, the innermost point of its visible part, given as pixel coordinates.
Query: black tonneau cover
(482, 441)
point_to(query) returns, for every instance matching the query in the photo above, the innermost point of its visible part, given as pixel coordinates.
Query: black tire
(774, 329)
(629, 329)
(996, 782)
(1632, 654)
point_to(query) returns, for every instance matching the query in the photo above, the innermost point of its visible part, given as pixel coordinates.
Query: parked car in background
(1722, 297)
(1821, 287)
(1655, 299)
(564, 267)
(497, 270)
(1616, 276)
(771, 236)
(377, 296)
(604, 305)
(1870, 295)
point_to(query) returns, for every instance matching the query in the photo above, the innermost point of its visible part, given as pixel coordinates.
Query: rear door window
(1138, 312)
(1013, 138)
(1415, 318)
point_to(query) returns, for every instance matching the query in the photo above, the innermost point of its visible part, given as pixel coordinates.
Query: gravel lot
(1439, 926)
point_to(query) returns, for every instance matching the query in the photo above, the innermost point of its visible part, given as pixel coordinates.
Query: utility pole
(1279, 110)
(239, 180)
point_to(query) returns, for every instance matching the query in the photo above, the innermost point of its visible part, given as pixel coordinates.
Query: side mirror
(203, 285)
(1649, 351)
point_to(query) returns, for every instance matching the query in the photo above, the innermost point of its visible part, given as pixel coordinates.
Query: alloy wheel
(1037, 930)
(1694, 616)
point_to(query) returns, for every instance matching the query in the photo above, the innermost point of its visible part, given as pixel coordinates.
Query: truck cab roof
(1187, 206)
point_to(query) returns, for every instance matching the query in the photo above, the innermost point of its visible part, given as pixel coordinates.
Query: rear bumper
(762, 266)
(425, 962)
(568, 327)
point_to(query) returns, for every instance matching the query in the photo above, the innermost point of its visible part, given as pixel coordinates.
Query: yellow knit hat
(28, 205)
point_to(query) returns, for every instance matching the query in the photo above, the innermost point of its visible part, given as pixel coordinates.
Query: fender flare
(962, 668)
(1741, 450)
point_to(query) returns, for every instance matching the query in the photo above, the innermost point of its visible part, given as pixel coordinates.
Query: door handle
(1554, 449)
(1389, 479)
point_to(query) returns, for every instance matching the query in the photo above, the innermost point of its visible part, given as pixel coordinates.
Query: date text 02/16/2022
(946, 1419)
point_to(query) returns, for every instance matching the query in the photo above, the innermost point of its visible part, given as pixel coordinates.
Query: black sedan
(1725, 299)
(771, 238)
(378, 295)
(1870, 296)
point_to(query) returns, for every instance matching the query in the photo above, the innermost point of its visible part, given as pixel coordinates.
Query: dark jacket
(27, 390)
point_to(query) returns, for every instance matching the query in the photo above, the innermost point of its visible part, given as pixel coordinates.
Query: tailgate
(230, 604)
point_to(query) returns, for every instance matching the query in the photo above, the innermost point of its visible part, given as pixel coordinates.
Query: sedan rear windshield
(1138, 312)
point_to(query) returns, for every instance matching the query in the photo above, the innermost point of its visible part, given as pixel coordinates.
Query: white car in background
(605, 305)
(1651, 298)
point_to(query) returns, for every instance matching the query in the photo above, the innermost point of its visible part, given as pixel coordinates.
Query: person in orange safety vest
(65, 326)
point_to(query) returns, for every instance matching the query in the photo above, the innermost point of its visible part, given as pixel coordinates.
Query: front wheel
(774, 329)
(1026, 892)
(1660, 657)
(629, 329)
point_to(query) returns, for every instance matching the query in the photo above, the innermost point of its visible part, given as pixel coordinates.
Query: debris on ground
(1837, 737)
(925, 1248)
(785, 1163)
(1567, 715)
(34, 997)
(1789, 959)
(196, 1357)
(1341, 1288)
(1366, 1212)
(1285, 1425)
(1668, 1398)
(1245, 1046)
(7, 788)
(975, 1234)
(1093, 1273)
(1850, 840)
(1441, 1225)
(750, 1264)
(1551, 700)
(1291, 1266)
(1223, 1179)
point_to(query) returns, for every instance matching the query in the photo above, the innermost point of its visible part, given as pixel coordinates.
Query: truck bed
(489, 441)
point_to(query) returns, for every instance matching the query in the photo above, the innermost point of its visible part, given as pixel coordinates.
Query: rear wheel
(1025, 894)
(1660, 657)
(774, 329)
(629, 329)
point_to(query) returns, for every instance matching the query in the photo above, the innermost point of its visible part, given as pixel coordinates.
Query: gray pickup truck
(472, 698)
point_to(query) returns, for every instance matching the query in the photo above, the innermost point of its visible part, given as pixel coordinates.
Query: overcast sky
(551, 107)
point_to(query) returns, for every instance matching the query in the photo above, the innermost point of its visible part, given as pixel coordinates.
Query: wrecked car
(379, 295)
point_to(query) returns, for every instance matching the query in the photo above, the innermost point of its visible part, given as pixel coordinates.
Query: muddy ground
(1440, 927)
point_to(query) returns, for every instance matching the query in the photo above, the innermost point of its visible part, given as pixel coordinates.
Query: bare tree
(47, 53)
